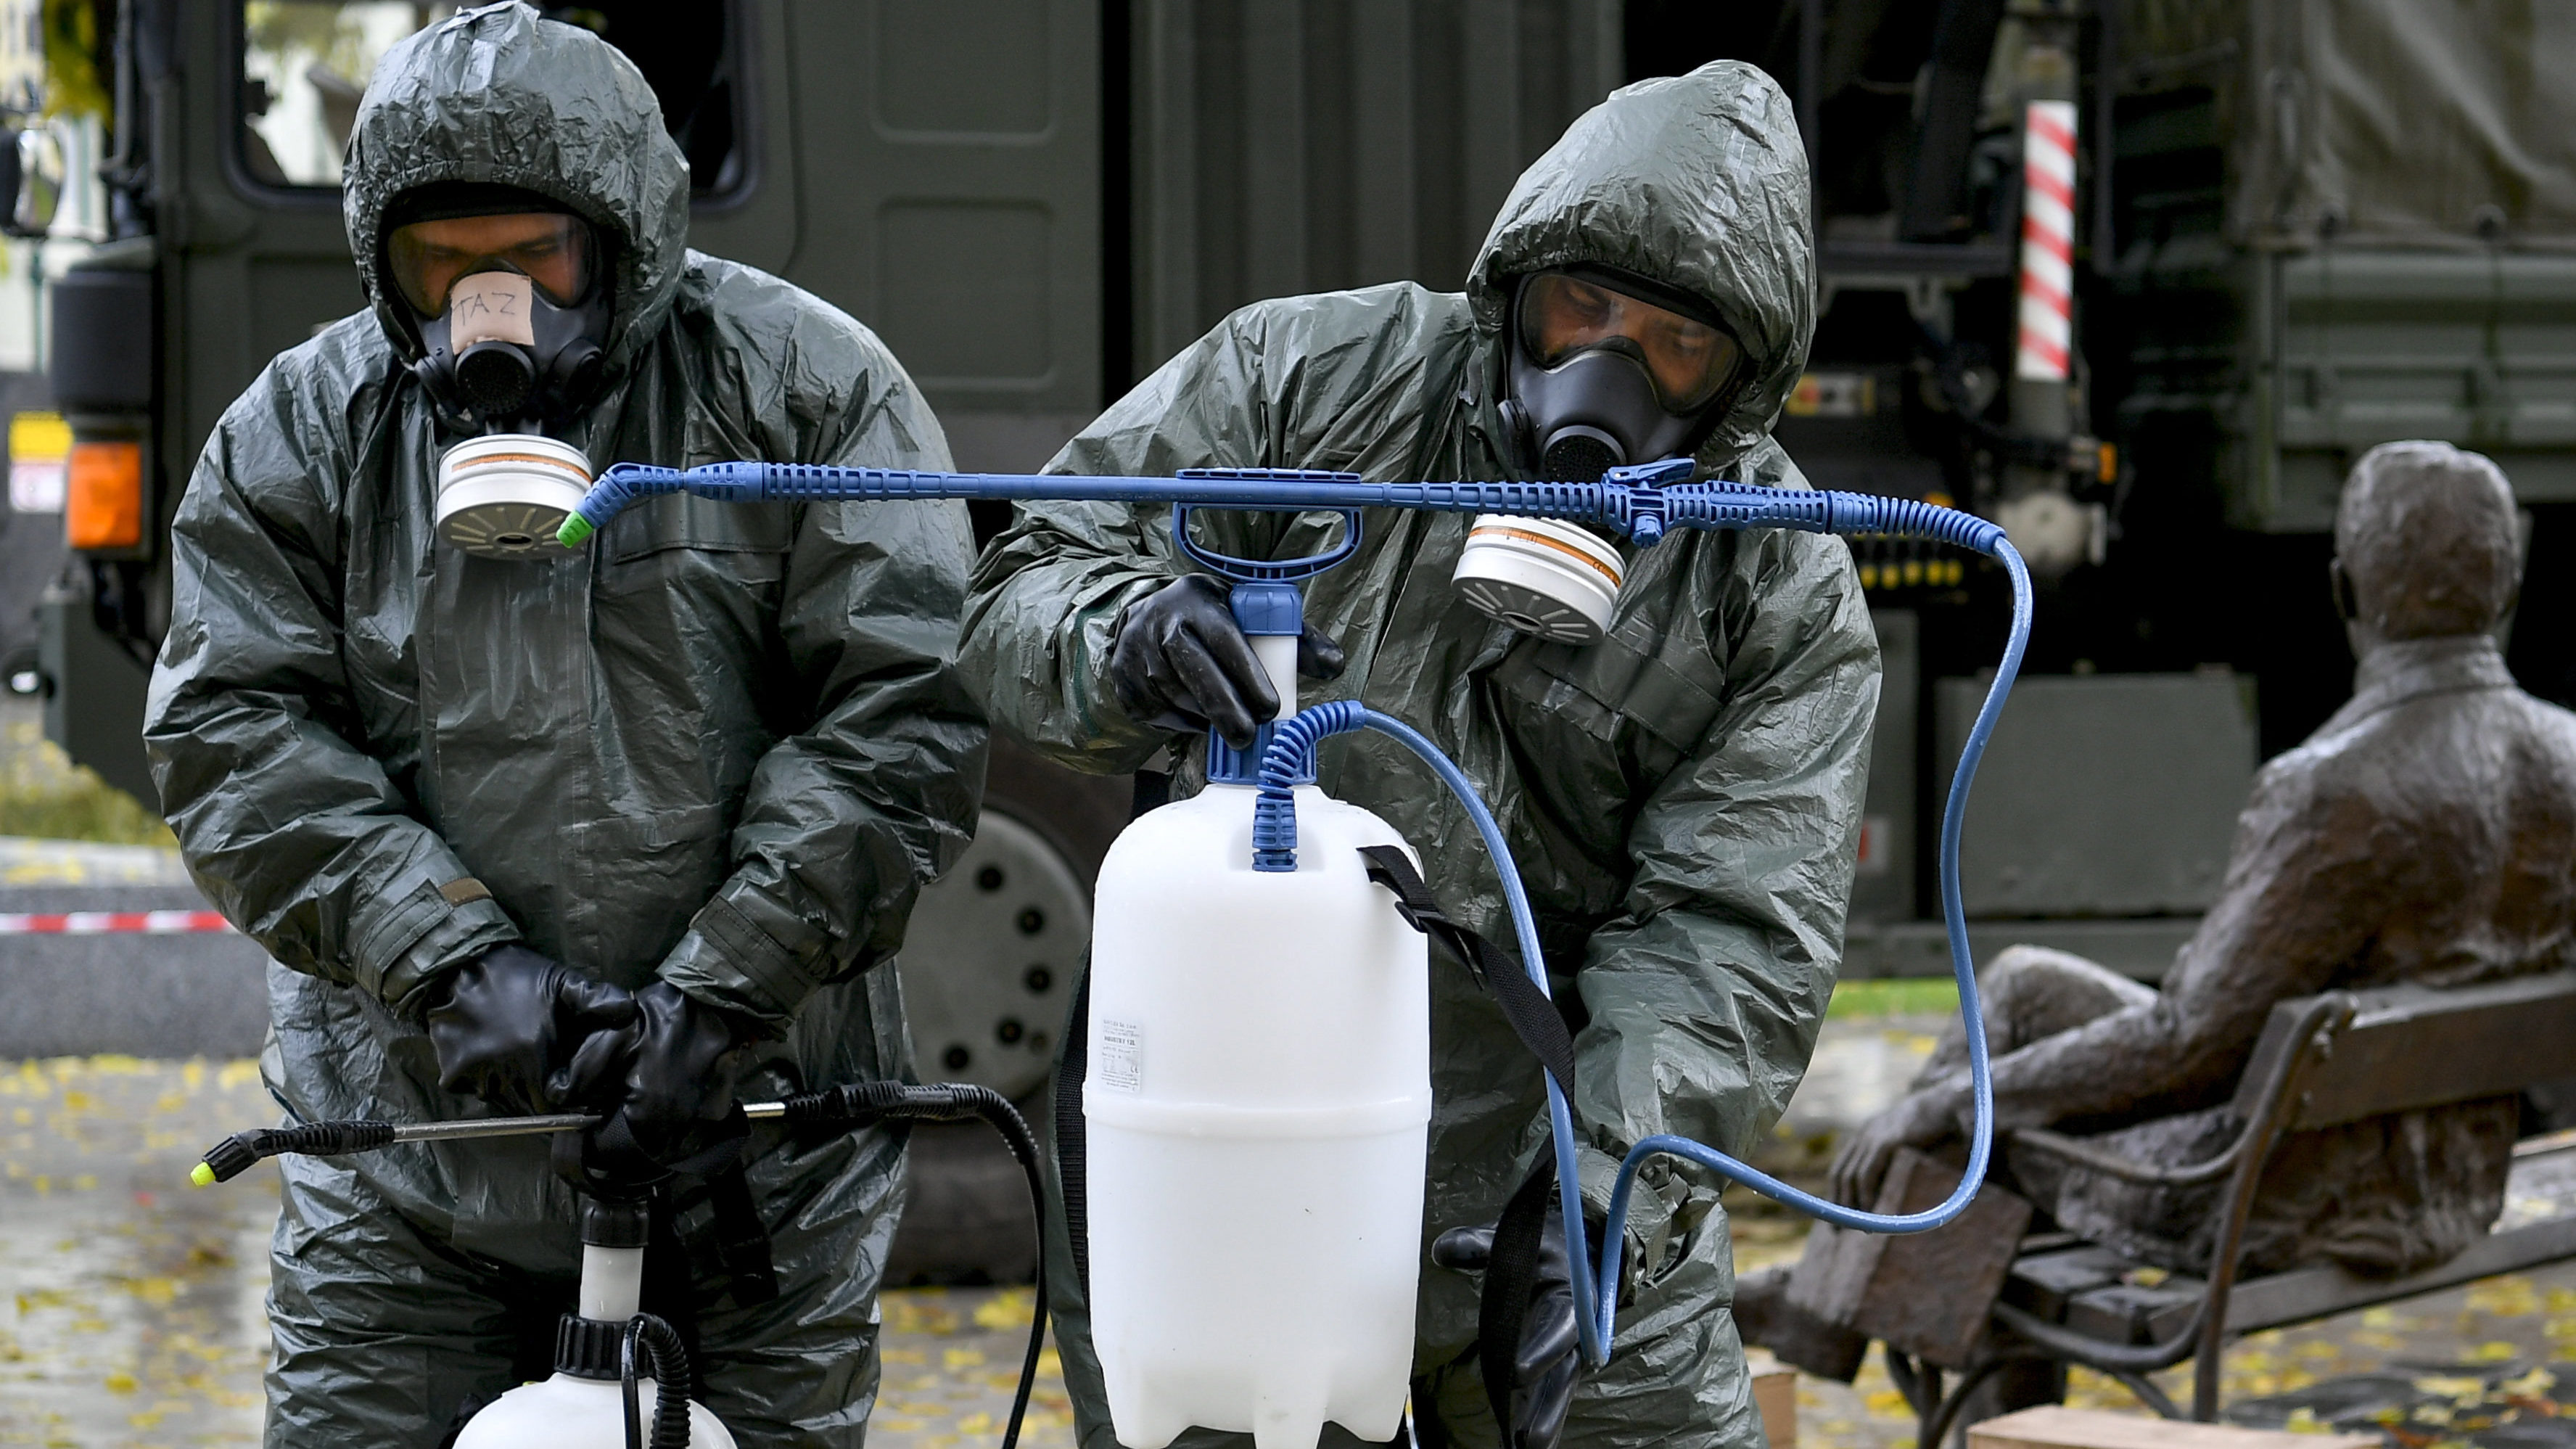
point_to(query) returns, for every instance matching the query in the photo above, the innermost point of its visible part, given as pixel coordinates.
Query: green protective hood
(1698, 182)
(499, 96)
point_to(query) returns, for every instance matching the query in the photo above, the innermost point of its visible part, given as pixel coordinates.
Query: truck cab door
(256, 258)
(244, 110)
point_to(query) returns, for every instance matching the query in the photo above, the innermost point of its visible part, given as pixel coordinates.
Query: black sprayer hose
(858, 1102)
(849, 1105)
(670, 1383)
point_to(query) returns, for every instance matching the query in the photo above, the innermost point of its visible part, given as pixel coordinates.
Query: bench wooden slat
(2308, 1293)
(2411, 1047)
(2057, 1427)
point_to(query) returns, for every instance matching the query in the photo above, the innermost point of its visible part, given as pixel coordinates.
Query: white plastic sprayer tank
(566, 1412)
(1257, 1101)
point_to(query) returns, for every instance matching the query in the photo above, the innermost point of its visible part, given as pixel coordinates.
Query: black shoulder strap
(1533, 1017)
(742, 1239)
(1511, 1282)
(1511, 1268)
(1072, 1166)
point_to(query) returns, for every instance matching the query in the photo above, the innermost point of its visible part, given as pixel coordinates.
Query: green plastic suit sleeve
(1716, 971)
(845, 818)
(1049, 592)
(293, 830)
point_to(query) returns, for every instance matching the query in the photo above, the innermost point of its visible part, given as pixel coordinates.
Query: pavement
(2505, 1345)
(130, 1303)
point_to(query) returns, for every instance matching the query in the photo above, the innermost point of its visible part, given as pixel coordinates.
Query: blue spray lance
(1643, 503)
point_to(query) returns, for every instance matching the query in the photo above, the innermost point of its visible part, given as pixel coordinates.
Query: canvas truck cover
(2404, 123)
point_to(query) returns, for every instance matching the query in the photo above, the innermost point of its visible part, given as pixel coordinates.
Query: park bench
(2321, 1061)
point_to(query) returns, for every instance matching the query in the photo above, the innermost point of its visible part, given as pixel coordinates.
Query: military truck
(2300, 230)
(1031, 200)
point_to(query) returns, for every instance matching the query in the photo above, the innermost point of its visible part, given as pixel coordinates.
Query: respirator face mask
(1599, 377)
(513, 311)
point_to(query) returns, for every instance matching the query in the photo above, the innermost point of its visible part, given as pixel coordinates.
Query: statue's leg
(2030, 992)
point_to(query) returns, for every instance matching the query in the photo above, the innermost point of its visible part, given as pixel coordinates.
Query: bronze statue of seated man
(2425, 833)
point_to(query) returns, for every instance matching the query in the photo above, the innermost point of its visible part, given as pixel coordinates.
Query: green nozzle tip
(575, 529)
(202, 1175)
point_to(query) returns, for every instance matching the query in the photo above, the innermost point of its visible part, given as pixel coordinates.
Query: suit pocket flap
(680, 520)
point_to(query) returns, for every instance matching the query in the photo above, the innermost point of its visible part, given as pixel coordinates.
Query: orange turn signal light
(103, 495)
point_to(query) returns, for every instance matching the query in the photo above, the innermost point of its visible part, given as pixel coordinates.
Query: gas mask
(513, 312)
(1606, 370)
(1603, 370)
(514, 316)
(502, 351)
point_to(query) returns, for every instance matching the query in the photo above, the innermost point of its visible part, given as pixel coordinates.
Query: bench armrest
(2288, 1039)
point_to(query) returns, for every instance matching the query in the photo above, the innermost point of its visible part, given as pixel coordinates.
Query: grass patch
(1929, 997)
(43, 794)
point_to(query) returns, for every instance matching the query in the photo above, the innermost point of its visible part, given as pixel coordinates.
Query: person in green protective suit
(1683, 795)
(620, 828)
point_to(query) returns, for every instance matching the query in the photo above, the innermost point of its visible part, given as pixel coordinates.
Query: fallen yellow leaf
(1005, 1310)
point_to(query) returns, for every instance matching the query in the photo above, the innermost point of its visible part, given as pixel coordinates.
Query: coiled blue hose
(1596, 1292)
(1643, 502)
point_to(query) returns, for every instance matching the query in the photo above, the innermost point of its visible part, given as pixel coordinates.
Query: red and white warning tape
(2047, 240)
(101, 923)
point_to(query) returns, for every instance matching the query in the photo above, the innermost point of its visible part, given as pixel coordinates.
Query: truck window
(305, 63)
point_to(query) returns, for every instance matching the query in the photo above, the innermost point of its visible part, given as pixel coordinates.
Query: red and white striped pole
(2052, 531)
(2047, 242)
(111, 923)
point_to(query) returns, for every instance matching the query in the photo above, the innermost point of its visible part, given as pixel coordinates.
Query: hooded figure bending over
(1683, 796)
(620, 830)
(2422, 834)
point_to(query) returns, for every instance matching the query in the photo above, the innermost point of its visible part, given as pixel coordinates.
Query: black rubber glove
(529, 1034)
(677, 1112)
(1179, 661)
(1548, 1358)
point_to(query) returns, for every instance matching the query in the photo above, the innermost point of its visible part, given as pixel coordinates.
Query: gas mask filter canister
(1540, 576)
(503, 495)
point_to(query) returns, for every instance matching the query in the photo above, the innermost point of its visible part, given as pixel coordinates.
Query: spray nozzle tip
(202, 1175)
(576, 530)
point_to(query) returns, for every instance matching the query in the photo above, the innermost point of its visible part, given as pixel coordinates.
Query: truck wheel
(988, 968)
(990, 958)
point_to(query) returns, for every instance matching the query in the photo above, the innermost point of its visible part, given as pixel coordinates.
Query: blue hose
(1596, 1292)
(1644, 502)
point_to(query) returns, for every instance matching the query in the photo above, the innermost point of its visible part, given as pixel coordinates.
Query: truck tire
(988, 970)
